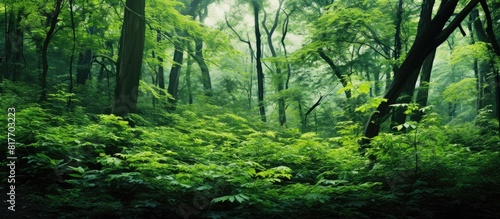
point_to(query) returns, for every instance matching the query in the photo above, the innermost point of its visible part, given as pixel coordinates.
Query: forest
(215, 109)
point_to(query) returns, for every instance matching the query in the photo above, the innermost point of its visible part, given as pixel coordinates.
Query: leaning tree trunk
(133, 33)
(424, 45)
(399, 116)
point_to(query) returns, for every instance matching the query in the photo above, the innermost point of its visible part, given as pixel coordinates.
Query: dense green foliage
(208, 134)
(215, 164)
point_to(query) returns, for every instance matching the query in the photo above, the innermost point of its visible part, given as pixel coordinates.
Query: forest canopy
(250, 108)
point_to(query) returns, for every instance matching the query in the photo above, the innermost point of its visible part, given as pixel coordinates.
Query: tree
(14, 42)
(399, 115)
(278, 67)
(52, 18)
(181, 44)
(256, 6)
(132, 46)
(424, 44)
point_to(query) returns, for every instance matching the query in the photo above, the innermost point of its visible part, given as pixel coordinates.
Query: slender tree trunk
(475, 65)
(376, 84)
(279, 77)
(133, 33)
(260, 72)
(160, 79)
(175, 71)
(4, 60)
(250, 85)
(397, 37)
(70, 88)
(205, 73)
(45, 47)
(188, 80)
(173, 83)
(303, 122)
(483, 70)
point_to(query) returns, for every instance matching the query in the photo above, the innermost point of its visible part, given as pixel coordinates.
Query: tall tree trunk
(161, 70)
(397, 37)
(3, 60)
(423, 91)
(200, 59)
(475, 64)
(45, 47)
(279, 77)
(205, 73)
(260, 72)
(14, 45)
(303, 122)
(483, 70)
(133, 33)
(73, 33)
(175, 72)
(495, 47)
(188, 79)
(423, 45)
(159, 80)
(399, 116)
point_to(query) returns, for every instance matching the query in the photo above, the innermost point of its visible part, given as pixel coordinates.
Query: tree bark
(127, 85)
(161, 70)
(14, 46)
(281, 84)
(73, 33)
(483, 70)
(45, 47)
(399, 116)
(423, 90)
(260, 72)
(179, 45)
(188, 80)
(424, 44)
(175, 71)
(205, 73)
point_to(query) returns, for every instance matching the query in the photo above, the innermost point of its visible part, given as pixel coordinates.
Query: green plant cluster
(203, 164)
